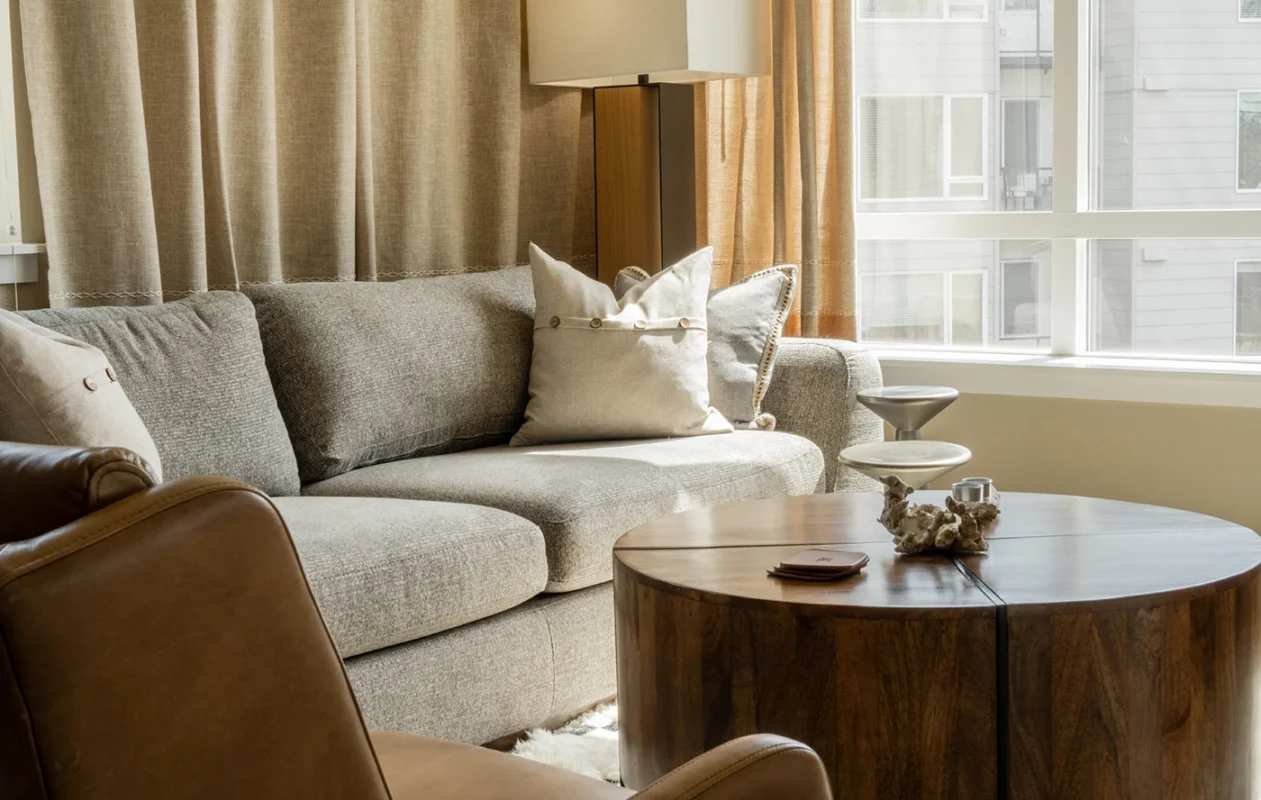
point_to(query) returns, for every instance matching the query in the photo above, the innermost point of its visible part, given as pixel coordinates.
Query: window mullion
(1068, 296)
(1070, 173)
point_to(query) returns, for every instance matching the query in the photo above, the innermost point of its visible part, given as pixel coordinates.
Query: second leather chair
(162, 643)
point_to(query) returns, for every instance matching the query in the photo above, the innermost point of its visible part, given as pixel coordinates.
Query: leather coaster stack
(820, 565)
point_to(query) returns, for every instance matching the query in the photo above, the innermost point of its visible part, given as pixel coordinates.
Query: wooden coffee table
(1099, 650)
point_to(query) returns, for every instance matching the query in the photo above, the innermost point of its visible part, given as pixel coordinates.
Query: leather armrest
(44, 487)
(759, 767)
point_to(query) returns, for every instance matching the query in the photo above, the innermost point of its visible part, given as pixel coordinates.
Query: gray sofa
(466, 583)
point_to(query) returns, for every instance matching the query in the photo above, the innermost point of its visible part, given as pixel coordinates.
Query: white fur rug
(586, 745)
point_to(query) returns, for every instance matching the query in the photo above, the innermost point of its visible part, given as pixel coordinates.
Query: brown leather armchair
(161, 642)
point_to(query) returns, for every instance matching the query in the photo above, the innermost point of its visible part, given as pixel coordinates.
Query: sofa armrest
(812, 394)
(758, 767)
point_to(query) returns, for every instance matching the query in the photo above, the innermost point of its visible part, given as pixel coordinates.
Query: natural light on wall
(1069, 179)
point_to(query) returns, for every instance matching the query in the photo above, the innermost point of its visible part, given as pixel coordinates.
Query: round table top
(1048, 553)
(909, 394)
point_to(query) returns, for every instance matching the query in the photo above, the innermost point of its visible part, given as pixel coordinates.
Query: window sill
(1135, 380)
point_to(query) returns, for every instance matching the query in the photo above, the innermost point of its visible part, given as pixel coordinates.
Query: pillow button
(554, 322)
(109, 373)
(640, 324)
(683, 323)
(90, 384)
(596, 323)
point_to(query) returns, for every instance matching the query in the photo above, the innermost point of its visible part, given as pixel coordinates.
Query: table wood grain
(1100, 650)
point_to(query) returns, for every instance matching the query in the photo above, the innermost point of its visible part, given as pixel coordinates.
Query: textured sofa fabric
(370, 372)
(386, 571)
(812, 394)
(584, 496)
(504, 674)
(194, 371)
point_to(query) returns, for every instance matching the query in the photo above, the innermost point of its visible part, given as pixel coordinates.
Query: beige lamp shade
(612, 42)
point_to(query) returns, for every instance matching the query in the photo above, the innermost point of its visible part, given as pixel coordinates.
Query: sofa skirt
(497, 676)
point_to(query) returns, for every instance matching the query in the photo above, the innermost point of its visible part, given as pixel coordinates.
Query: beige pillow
(56, 390)
(604, 369)
(746, 320)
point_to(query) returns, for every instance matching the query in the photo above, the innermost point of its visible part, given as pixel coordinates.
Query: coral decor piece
(960, 526)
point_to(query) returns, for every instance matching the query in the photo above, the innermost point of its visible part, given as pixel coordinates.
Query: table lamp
(641, 57)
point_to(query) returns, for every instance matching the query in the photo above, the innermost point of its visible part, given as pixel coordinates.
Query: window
(961, 10)
(1026, 183)
(1117, 212)
(1249, 165)
(922, 147)
(1248, 308)
(931, 308)
(967, 309)
(1021, 308)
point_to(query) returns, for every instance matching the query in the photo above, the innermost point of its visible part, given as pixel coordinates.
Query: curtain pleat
(774, 166)
(192, 144)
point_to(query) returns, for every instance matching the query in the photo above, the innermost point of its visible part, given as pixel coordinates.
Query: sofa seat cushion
(583, 496)
(387, 571)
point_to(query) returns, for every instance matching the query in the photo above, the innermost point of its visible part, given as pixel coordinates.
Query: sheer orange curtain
(775, 166)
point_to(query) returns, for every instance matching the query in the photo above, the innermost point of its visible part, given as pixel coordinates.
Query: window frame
(947, 121)
(1239, 137)
(1235, 326)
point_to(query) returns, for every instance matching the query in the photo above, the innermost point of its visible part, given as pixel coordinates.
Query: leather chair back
(164, 646)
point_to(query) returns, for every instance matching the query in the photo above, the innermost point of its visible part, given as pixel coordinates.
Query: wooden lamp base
(645, 176)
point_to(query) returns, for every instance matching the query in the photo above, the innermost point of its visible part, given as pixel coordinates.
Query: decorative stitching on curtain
(230, 287)
(766, 262)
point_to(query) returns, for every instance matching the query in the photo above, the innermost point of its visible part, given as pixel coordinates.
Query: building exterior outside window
(1174, 116)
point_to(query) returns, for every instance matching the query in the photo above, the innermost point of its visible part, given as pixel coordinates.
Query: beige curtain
(185, 145)
(774, 166)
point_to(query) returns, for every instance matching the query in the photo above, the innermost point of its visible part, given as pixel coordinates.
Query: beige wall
(1201, 458)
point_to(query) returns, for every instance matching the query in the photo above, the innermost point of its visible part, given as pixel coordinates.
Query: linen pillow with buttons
(59, 391)
(609, 369)
(746, 320)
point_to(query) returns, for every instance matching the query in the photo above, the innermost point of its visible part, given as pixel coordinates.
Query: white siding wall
(1170, 140)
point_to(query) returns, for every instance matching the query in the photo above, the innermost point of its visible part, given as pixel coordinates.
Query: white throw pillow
(746, 320)
(604, 369)
(59, 391)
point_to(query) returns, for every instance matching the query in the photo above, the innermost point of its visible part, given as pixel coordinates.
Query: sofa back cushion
(195, 373)
(371, 372)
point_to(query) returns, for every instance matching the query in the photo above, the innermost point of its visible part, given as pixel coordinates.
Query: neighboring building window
(903, 307)
(929, 308)
(967, 309)
(1021, 311)
(923, 147)
(1250, 9)
(1026, 5)
(1250, 141)
(1248, 308)
(960, 10)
